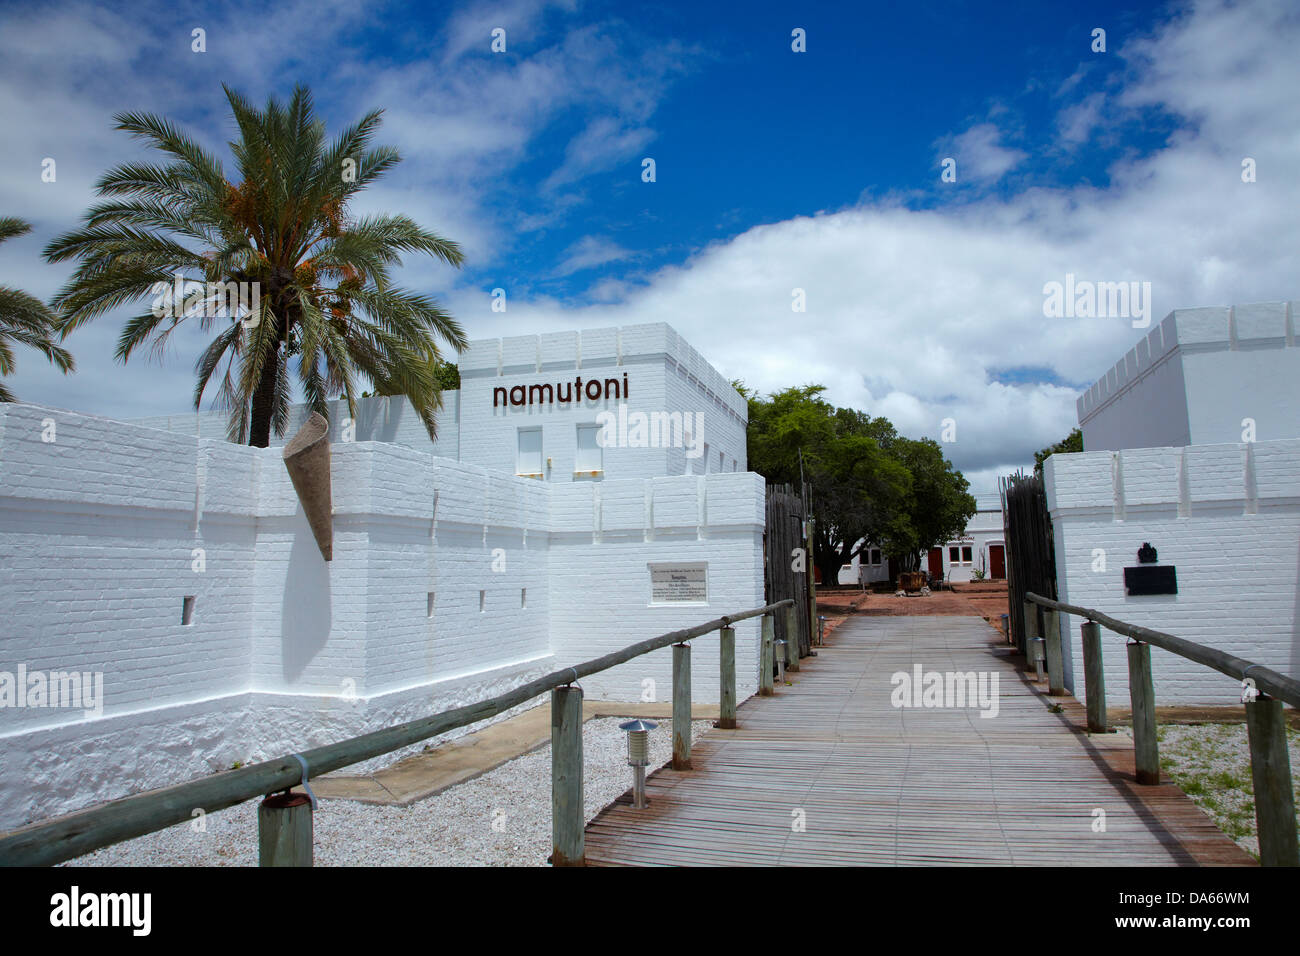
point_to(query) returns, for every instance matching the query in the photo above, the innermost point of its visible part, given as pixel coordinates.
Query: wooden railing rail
(1270, 763)
(284, 824)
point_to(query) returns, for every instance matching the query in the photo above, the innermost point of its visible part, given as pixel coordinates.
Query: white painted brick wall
(1235, 544)
(1195, 377)
(97, 536)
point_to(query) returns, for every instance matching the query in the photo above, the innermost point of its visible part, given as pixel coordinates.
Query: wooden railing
(1270, 764)
(285, 822)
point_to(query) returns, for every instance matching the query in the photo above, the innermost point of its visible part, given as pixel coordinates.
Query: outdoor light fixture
(779, 653)
(1036, 655)
(821, 629)
(638, 756)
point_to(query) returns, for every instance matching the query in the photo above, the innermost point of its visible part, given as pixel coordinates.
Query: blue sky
(775, 170)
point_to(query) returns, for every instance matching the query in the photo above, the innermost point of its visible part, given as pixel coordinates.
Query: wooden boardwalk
(877, 784)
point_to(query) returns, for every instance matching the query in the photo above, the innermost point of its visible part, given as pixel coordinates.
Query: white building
(562, 406)
(1192, 444)
(1201, 377)
(869, 567)
(980, 547)
(179, 570)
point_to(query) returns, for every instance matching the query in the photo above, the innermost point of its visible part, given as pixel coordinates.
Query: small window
(590, 456)
(187, 610)
(875, 555)
(523, 597)
(721, 465)
(482, 601)
(529, 461)
(966, 555)
(954, 555)
(429, 609)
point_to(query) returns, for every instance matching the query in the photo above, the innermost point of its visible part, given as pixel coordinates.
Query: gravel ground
(502, 818)
(1211, 763)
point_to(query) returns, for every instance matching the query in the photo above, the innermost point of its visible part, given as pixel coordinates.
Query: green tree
(1070, 443)
(325, 300)
(447, 375)
(784, 426)
(25, 320)
(858, 487)
(937, 507)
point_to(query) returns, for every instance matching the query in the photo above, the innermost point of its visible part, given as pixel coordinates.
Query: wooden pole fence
(1270, 764)
(48, 842)
(682, 706)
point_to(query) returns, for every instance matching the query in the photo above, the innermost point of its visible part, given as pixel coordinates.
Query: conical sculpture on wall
(307, 457)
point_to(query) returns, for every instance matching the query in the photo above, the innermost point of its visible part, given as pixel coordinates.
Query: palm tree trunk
(259, 432)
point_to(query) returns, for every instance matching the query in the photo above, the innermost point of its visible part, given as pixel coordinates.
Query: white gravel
(502, 818)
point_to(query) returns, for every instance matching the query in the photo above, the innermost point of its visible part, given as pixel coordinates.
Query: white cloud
(462, 117)
(980, 154)
(1077, 122)
(908, 311)
(589, 252)
(600, 146)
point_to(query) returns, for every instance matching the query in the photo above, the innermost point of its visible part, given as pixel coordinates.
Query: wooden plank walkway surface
(830, 772)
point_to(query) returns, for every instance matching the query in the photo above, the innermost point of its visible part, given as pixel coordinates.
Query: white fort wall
(664, 375)
(654, 372)
(604, 536)
(1195, 377)
(1226, 516)
(379, 418)
(97, 535)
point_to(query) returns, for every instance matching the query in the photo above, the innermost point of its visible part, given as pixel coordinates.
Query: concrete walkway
(424, 774)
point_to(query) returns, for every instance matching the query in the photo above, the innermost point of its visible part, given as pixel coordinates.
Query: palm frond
(324, 275)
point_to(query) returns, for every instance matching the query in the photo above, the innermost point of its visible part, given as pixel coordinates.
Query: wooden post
(681, 707)
(568, 820)
(1146, 753)
(1095, 676)
(791, 639)
(1270, 769)
(727, 679)
(766, 663)
(284, 831)
(812, 591)
(1055, 659)
(1031, 628)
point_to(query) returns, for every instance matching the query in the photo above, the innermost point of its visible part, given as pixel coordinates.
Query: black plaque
(1150, 579)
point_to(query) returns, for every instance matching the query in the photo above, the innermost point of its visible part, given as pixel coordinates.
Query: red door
(936, 564)
(997, 562)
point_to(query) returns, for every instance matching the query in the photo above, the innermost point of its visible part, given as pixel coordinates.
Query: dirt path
(986, 599)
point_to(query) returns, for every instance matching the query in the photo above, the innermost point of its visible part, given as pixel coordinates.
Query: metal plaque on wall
(679, 583)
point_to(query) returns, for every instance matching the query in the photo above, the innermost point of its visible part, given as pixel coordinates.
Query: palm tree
(26, 320)
(317, 277)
